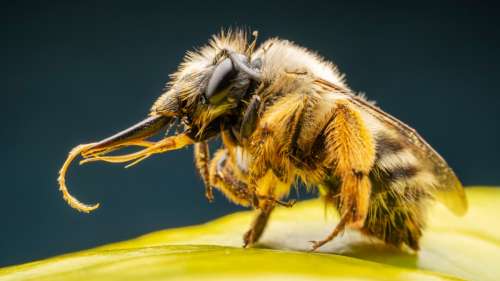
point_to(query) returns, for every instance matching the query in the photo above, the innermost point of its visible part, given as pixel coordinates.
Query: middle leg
(259, 224)
(225, 177)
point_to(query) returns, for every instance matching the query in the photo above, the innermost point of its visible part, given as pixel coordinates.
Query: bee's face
(209, 84)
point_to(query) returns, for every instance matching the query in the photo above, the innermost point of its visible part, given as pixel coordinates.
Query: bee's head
(208, 86)
(210, 82)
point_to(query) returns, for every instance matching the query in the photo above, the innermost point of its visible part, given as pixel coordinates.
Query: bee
(286, 115)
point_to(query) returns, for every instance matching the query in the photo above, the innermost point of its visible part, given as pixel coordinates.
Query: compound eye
(219, 83)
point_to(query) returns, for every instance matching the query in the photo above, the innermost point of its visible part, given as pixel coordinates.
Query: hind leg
(351, 151)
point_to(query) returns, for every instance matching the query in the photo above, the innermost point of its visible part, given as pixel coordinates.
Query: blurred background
(74, 72)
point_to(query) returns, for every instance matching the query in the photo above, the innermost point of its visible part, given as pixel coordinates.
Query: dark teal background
(77, 72)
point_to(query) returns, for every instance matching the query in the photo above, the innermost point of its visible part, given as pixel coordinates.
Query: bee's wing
(445, 187)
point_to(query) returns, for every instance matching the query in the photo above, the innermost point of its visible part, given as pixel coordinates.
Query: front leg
(201, 160)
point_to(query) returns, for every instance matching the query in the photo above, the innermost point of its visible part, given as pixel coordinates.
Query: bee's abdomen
(397, 202)
(396, 220)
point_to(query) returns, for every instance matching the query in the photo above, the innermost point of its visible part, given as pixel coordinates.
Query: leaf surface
(453, 248)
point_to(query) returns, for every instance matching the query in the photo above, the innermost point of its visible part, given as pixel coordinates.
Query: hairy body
(290, 116)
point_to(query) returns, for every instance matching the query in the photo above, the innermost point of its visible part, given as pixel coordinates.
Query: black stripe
(401, 173)
(290, 124)
(316, 153)
(387, 145)
(294, 148)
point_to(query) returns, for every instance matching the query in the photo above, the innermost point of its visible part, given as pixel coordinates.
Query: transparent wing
(448, 188)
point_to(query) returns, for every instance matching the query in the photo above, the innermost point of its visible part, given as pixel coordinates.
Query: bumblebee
(284, 115)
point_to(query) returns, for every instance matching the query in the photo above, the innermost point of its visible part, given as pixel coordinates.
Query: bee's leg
(350, 149)
(259, 223)
(224, 177)
(288, 204)
(336, 231)
(269, 189)
(201, 160)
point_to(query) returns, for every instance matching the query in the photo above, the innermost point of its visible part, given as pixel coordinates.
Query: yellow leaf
(453, 248)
